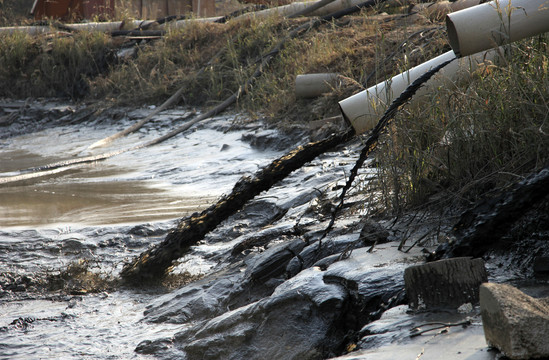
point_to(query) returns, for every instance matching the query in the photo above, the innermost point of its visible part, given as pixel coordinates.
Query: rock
(273, 262)
(270, 139)
(312, 255)
(515, 323)
(309, 316)
(298, 321)
(211, 296)
(444, 283)
(373, 233)
(229, 288)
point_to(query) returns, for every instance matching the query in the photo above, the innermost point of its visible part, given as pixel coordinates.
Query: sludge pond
(261, 264)
(102, 213)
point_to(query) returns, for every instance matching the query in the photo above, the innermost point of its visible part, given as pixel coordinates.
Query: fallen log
(155, 262)
(310, 9)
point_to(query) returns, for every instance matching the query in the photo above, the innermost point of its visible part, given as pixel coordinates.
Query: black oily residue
(28, 323)
(502, 221)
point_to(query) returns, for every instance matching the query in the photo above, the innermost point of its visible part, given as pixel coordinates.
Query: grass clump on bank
(56, 67)
(210, 60)
(488, 134)
(15, 12)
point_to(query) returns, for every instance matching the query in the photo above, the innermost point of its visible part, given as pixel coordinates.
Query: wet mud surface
(263, 286)
(110, 211)
(156, 183)
(103, 214)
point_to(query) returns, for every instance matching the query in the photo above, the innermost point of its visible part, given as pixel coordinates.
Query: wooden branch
(438, 325)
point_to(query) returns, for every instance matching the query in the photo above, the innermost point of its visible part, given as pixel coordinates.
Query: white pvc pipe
(293, 8)
(439, 9)
(103, 26)
(92, 26)
(496, 23)
(181, 23)
(31, 30)
(364, 109)
(313, 85)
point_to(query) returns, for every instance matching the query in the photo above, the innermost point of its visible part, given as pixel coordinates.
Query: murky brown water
(104, 213)
(92, 203)
(162, 182)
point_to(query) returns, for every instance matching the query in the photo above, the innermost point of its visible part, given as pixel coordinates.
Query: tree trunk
(445, 283)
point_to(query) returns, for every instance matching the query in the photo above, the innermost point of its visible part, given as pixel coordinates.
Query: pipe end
(345, 118)
(452, 36)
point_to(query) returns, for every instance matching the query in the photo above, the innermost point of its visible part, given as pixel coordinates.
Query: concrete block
(515, 323)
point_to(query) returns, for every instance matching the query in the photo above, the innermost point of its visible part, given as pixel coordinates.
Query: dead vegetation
(461, 145)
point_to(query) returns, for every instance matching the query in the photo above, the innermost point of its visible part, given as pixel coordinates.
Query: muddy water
(104, 213)
(157, 183)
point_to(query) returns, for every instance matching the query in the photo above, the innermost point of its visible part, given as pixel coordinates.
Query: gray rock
(273, 262)
(373, 233)
(306, 317)
(211, 296)
(515, 323)
(229, 288)
(295, 322)
(312, 255)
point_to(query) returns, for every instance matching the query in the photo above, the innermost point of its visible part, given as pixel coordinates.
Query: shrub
(57, 67)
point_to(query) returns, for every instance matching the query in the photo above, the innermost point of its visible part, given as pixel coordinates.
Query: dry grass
(15, 12)
(78, 278)
(60, 66)
(211, 61)
(463, 144)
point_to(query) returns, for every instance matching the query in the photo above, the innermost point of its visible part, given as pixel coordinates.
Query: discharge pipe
(313, 85)
(363, 109)
(102, 26)
(496, 23)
